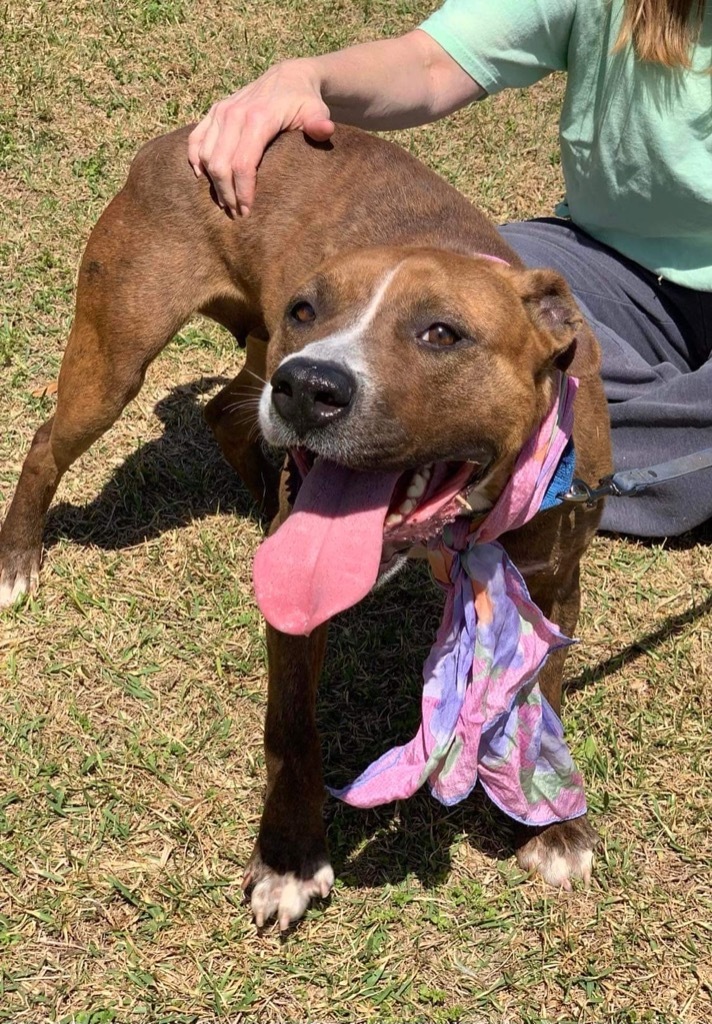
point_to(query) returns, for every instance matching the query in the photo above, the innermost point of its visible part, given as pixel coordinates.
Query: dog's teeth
(417, 486)
(394, 519)
(407, 506)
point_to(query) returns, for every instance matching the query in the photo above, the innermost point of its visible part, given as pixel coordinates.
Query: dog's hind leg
(139, 281)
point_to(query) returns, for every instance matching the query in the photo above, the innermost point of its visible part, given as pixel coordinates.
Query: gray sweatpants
(656, 339)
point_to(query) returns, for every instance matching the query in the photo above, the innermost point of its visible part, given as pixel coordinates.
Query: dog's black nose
(308, 394)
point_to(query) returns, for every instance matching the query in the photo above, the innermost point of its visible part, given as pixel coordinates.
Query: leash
(629, 482)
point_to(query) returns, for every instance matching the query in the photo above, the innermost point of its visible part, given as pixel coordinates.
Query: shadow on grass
(167, 483)
(642, 646)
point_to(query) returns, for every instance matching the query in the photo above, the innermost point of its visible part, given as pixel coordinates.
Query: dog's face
(433, 365)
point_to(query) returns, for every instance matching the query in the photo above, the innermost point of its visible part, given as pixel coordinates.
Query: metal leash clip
(581, 493)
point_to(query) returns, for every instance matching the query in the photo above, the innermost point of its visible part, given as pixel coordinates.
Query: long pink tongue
(325, 557)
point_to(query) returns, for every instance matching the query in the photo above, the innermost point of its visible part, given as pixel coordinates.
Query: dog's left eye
(303, 312)
(440, 334)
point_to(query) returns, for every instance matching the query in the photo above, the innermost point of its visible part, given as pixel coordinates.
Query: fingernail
(244, 210)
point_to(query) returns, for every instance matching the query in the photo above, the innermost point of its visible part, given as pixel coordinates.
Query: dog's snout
(309, 394)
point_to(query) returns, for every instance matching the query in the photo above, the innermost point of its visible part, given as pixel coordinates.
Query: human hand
(228, 144)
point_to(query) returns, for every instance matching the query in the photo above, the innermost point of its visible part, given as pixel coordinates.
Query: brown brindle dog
(393, 347)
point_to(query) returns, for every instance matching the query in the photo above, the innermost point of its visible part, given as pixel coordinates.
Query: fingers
(238, 186)
(257, 132)
(229, 143)
(195, 141)
(210, 147)
(202, 140)
(227, 146)
(318, 127)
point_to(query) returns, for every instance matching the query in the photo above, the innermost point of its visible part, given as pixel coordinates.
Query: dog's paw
(19, 575)
(285, 896)
(560, 853)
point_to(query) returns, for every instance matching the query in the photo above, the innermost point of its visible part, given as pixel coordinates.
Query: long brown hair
(663, 31)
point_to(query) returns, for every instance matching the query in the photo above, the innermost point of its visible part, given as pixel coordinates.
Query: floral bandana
(483, 714)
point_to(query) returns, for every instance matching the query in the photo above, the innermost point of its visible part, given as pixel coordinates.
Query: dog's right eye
(302, 312)
(440, 334)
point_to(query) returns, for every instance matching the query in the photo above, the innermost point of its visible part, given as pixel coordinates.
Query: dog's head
(429, 363)
(406, 381)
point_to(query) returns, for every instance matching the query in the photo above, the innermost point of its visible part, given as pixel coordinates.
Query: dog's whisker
(242, 400)
(249, 403)
(252, 392)
(256, 375)
(250, 388)
(244, 420)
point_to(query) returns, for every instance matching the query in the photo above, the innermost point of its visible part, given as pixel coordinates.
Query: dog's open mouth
(422, 500)
(328, 554)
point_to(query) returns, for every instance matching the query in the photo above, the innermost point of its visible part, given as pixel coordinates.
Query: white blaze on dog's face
(404, 382)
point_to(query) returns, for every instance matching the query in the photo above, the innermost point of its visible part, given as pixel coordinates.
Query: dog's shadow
(166, 483)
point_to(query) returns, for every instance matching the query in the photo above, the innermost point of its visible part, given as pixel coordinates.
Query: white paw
(560, 854)
(286, 896)
(14, 585)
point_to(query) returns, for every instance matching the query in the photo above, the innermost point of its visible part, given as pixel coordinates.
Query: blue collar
(561, 480)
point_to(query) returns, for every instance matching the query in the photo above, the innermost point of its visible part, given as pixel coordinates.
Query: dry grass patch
(133, 688)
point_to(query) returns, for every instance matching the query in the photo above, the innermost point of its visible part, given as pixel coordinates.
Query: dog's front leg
(290, 864)
(563, 851)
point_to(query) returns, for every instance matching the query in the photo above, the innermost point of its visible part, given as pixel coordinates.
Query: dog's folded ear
(552, 308)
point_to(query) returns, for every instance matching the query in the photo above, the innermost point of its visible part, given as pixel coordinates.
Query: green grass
(133, 687)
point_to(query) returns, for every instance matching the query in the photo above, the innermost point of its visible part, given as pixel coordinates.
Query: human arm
(385, 84)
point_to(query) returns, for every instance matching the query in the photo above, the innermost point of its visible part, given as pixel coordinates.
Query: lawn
(132, 689)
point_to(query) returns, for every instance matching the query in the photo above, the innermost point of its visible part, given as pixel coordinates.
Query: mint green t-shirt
(636, 138)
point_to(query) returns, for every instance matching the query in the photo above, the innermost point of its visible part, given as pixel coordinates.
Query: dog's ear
(552, 308)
